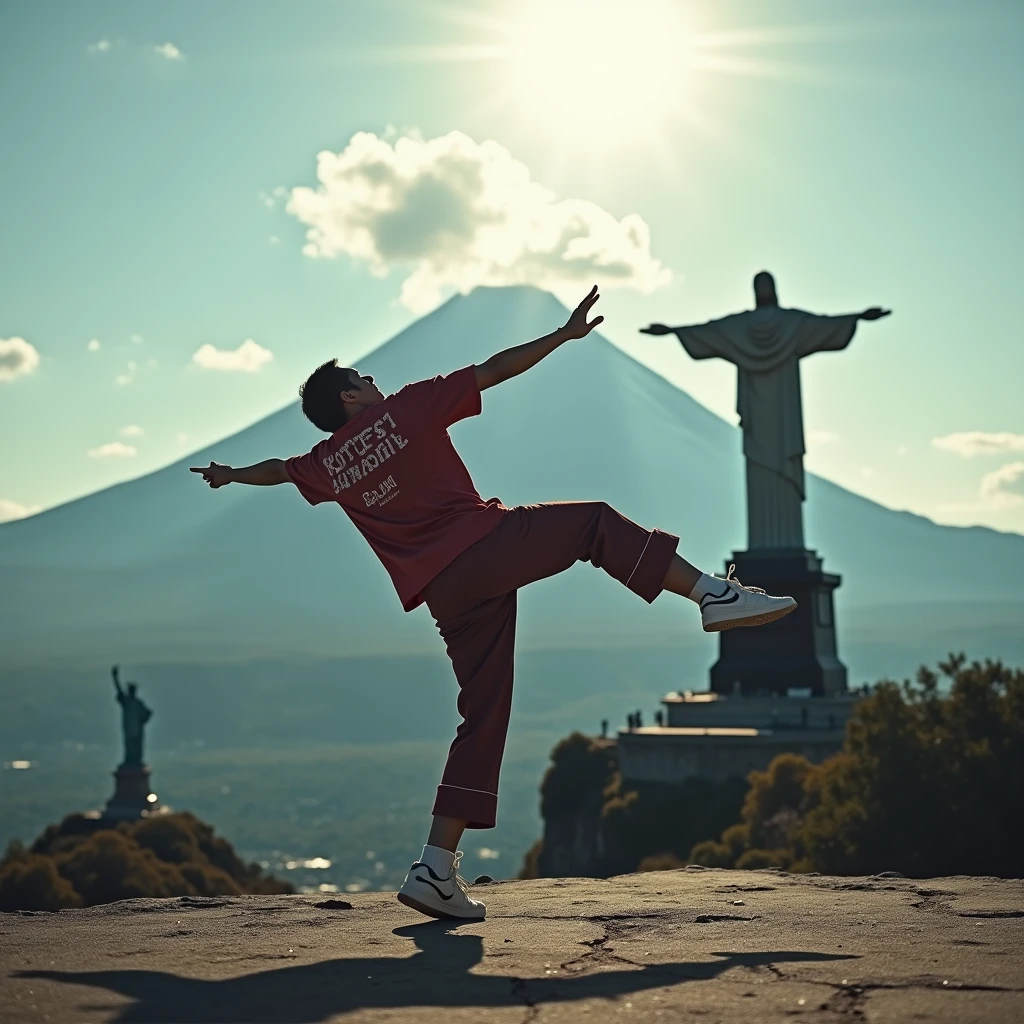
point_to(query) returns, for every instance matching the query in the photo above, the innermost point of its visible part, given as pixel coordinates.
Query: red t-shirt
(396, 473)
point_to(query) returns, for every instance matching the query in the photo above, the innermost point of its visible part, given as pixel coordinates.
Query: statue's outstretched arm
(117, 681)
(701, 341)
(874, 313)
(822, 333)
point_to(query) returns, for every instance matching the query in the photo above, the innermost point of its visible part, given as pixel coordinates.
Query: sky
(204, 201)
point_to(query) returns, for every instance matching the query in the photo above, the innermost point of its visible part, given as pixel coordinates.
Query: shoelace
(731, 578)
(456, 877)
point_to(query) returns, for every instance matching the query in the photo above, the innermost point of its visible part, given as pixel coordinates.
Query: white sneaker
(430, 894)
(737, 605)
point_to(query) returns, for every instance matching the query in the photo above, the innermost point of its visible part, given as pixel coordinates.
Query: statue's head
(764, 289)
(132, 687)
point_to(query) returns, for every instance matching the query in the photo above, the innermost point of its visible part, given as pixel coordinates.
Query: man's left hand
(576, 326)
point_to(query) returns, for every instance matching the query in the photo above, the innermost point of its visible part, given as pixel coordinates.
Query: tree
(82, 862)
(931, 782)
(32, 882)
(596, 825)
(928, 783)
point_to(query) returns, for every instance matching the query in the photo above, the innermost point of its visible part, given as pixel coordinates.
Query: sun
(616, 64)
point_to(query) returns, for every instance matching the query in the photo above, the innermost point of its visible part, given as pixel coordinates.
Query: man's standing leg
(481, 644)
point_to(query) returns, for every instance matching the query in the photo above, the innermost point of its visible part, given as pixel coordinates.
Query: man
(391, 465)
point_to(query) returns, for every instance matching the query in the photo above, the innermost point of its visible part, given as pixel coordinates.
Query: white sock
(439, 860)
(707, 585)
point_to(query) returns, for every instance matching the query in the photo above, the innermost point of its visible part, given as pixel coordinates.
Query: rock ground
(688, 945)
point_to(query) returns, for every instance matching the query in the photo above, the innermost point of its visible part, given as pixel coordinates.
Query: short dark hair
(320, 402)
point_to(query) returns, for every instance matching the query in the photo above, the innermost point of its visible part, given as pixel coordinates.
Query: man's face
(365, 391)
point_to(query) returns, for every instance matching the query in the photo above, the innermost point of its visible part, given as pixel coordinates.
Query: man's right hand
(656, 329)
(214, 474)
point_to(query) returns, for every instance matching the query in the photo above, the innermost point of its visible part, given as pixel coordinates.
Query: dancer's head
(333, 394)
(764, 289)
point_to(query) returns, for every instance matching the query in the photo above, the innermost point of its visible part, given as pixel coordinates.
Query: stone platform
(133, 797)
(695, 944)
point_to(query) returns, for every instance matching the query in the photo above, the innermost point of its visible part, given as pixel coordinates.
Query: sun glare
(635, 72)
(616, 65)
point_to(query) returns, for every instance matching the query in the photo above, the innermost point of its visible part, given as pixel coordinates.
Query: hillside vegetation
(77, 864)
(928, 783)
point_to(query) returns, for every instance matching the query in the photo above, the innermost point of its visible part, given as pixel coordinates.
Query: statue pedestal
(132, 798)
(797, 652)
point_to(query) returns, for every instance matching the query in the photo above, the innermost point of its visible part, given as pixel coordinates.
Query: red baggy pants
(473, 602)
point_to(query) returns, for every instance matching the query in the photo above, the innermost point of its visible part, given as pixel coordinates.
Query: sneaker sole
(752, 620)
(429, 911)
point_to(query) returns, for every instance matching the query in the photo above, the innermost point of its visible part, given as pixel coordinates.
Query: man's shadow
(438, 974)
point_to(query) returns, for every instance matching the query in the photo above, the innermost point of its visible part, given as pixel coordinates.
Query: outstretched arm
(832, 333)
(514, 361)
(117, 681)
(701, 341)
(263, 474)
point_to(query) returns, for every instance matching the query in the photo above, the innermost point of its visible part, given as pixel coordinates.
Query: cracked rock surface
(661, 946)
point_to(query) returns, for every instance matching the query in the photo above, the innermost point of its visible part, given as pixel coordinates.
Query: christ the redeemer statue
(767, 344)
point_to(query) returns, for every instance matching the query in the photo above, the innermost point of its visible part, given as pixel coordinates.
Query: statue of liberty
(134, 716)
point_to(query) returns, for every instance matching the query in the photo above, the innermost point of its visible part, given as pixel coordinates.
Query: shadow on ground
(437, 975)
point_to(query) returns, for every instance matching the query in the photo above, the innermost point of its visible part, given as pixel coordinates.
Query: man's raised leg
(537, 541)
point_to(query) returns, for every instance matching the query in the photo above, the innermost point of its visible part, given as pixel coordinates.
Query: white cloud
(170, 51)
(247, 358)
(451, 212)
(100, 46)
(137, 339)
(183, 437)
(17, 357)
(128, 376)
(867, 472)
(978, 442)
(1004, 487)
(114, 450)
(15, 510)
(131, 431)
(94, 345)
(274, 240)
